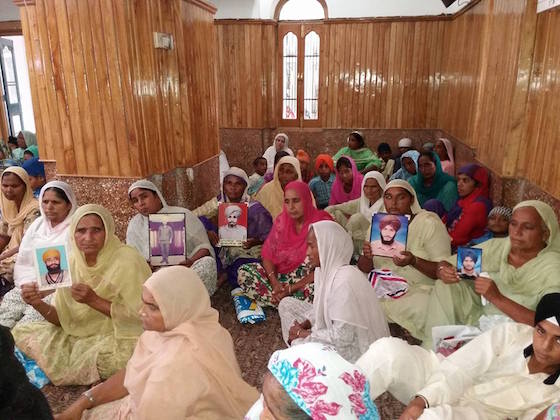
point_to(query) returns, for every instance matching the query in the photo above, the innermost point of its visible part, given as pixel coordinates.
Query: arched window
(300, 47)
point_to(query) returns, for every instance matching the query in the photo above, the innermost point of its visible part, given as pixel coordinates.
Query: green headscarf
(436, 190)
(34, 150)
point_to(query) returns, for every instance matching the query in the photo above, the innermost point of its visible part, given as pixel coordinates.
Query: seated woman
(518, 271)
(348, 182)
(312, 381)
(409, 166)
(259, 223)
(271, 195)
(345, 312)
(183, 367)
(355, 215)
(427, 238)
(93, 326)
(279, 144)
(444, 150)
(18, 209)
(283, 271)
(364, 158)
(467, 218)
(432, 183)
(58, 204)
(147, 199)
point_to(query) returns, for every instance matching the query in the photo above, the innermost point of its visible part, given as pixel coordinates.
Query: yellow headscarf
(118, 276)
(10, 212)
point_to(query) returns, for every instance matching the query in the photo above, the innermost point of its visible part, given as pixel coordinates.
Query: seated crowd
(324, 246)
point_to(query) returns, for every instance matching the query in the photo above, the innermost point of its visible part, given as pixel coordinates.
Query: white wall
(543, 5)
(264, 9)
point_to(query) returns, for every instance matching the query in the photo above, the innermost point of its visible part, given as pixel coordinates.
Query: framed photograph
(389, 233)
(51, 267)
(232, 224)
(167, 238)
(469, 262)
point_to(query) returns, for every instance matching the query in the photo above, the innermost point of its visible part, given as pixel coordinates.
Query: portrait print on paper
(232, 224)
(167, 238)
(51, 267)
(469, 262)
(389, 233)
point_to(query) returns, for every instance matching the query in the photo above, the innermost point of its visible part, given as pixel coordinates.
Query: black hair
(280, 155)
(256, 161)
(470, 254)
(59, 193)
(358, 137)
(384, 148)
(343, 161)
(28, 152)
(428, 154)
(12, 140)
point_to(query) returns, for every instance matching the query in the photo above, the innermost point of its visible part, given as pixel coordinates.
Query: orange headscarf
(323, 158)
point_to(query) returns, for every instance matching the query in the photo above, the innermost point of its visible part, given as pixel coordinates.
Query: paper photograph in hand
(167, 238)
(469, 262)
(389, 233)
(232, 222)
(52, 268)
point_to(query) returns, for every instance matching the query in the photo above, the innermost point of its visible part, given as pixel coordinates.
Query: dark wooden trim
(10, 27)
(20, 3)
(245, 22)
(281, 4)
(204, 5)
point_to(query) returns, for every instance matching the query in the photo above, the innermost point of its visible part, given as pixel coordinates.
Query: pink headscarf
(338, 195)
(284, 246)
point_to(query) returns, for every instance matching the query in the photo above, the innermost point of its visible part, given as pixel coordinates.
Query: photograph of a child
(469, 262)
(389, 233)
(167, 238)
(51, 265)
(232, 224)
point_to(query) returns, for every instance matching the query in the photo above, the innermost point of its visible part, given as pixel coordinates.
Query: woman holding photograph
(92, 327)
(183, 367)
(147, 199)
(283, 271)
(58, 204)
(19, 209)
(235, 185)
(427, 239)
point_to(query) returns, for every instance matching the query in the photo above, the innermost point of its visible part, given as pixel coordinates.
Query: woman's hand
(366, 249)
(487, 288)
(298, 330)
(213, 237)
(250, 243)
(83, 293)
(413, 410)
(30, 294)
(74, 412)
(404, 258)
(447, 273)
(279, 293)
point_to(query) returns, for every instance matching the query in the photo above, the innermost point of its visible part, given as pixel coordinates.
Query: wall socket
(163, 40)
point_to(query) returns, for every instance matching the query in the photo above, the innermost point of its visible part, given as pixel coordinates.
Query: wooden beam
(10, 27)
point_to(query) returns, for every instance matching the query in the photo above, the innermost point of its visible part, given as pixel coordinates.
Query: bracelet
(298, 331)
(89, 397)
(290, 289)
(49, 311)
(268, 275)
(426, 403)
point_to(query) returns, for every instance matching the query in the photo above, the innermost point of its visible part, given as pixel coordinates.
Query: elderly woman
(271, 195)
(183, 367)
(19, 209)
(348, 182)
(92, 326)
(432, 183)
(355, 215)
(444, 150)
(365, 159)
(283, 271)
(259, 223)
(468, 217)
(147, 199)
(58, 203)
(345, 312)
(312, 381)
(427, 238)
(518, 271)
(279, 144)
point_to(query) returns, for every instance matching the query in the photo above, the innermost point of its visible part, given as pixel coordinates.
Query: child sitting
(384, 152)
(498, 225)
(321, 184)
(257, 179)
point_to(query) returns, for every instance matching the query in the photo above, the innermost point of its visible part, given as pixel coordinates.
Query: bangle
(89, 397)
(426, 403)
(49, 311)
(268, 275)
(298, 331)
(290, 289)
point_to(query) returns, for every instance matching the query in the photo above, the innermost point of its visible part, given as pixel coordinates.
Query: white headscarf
(41, 234)
(240, 173)
(342, 292)
(400, 183)
(137, 232)
(367, 210)
(270, 153)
